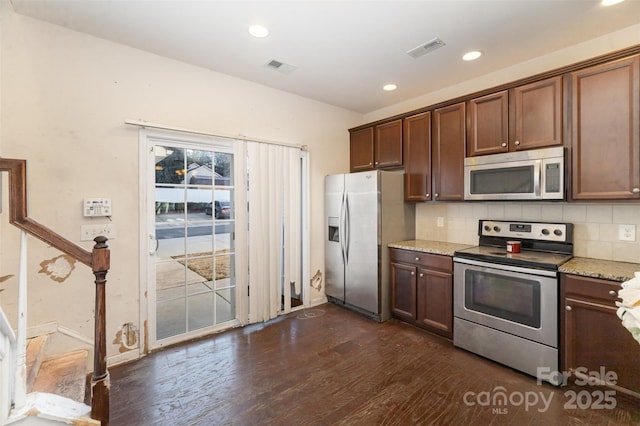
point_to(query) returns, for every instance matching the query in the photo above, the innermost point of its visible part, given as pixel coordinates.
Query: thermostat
(97, 207)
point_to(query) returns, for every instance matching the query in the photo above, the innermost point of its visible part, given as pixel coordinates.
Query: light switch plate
(440, 222)
(89, 232)
(626, 232)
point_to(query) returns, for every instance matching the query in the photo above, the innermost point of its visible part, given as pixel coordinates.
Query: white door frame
(147, 139)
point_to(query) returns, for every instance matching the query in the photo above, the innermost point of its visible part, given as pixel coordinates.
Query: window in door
(194, 236)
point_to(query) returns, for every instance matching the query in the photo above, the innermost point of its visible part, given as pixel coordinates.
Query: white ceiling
(344, 51)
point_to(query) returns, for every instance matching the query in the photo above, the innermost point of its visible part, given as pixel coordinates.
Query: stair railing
(99, 262)
(7, 365)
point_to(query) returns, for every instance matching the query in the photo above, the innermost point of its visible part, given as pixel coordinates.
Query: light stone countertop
(426, 246)
(598, 268)
(586, 267)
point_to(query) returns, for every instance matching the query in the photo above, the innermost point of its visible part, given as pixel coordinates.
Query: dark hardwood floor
(341, 368)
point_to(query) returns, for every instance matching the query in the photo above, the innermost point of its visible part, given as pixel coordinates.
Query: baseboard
(318, 302)
(124, 357)
(75, 335)
(42, 329)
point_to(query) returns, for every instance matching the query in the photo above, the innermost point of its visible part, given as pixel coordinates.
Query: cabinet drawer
(427, 260)
(591, 288)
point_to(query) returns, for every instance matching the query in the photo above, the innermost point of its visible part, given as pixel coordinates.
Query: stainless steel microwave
(524, 175)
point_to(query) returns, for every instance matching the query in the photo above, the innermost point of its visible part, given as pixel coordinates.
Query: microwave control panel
(552, 177)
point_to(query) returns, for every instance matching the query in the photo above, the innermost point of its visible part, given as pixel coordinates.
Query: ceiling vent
(425, 48)
(281, 67)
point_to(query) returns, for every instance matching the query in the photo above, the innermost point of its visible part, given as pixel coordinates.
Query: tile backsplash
(595, 225)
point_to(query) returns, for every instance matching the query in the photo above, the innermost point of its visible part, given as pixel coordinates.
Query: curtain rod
(142, 123)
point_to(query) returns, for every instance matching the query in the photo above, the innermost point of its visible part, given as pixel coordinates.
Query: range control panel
(542, 231)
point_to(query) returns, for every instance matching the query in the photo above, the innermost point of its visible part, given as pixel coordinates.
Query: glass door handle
(153, 245)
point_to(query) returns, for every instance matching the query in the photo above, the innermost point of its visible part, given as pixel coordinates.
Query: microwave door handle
(537, 178)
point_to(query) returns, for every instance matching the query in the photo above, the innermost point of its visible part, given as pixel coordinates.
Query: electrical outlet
(89, 232)
(440, 222)
(626, 232)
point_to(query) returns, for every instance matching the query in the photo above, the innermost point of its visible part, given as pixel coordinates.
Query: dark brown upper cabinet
(537, 115)
(417, 152)
(488, 124)
(361, 152)
(377, 147)
(448, 152)
(605, 127)
(525, 117)
(388, 142)
(592, 108)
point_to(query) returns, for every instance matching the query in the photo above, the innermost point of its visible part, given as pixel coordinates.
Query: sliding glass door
(225, 234)
(192, 249)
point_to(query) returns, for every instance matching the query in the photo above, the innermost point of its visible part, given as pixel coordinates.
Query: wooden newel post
(100, 380)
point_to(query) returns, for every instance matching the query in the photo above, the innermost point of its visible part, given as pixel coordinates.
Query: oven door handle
(508, 268)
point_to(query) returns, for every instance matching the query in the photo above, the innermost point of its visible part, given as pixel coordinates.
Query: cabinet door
(435, 301)
(488, 124)
(361, 152)
(448, 152)
(417, 157)
(593, 335)
(388, 144)
(403, 291)
(537, 112)
(605, 123)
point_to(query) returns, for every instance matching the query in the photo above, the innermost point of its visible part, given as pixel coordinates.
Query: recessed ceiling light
(258, 31)
(389, 87)
(471, 56)
(610, 2)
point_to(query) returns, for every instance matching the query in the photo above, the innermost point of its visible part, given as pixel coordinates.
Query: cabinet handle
(503, 144)
(413, 273)
(418, 259)
(377, 163)
(435, 195)
(427, 194)
(421, 275)
(613, 293)
(370, 164)
(636, 190)
(568, 308)
(517, 143)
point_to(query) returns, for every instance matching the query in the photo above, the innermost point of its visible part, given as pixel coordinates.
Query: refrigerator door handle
(341, 231)
(346, 227)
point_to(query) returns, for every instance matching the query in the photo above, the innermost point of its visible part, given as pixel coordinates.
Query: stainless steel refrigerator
(364, 212)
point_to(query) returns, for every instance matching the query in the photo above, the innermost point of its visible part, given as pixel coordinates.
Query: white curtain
(274, 231)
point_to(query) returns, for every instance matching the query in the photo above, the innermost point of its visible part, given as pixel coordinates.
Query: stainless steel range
(506, 302)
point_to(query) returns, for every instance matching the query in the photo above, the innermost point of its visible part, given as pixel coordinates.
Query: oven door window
(512, 299)
(507, 180)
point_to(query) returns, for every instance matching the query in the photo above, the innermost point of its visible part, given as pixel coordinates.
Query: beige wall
(65, 96)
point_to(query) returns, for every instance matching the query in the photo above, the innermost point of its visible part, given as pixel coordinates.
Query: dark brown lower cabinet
(593, 338)
(422, 290)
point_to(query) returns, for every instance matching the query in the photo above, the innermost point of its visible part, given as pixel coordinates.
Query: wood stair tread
(64, 375)
(34, 355)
